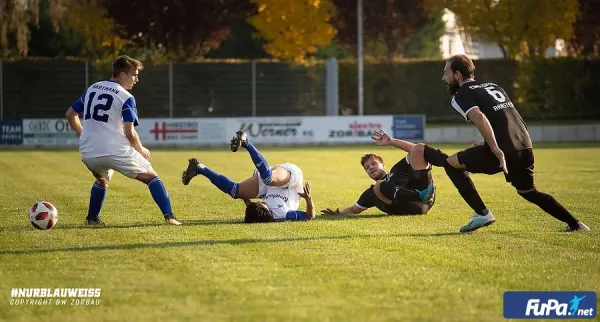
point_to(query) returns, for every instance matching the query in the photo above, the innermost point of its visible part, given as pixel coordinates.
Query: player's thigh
(251, 188)
(520, 166)
(280, 177)
(100, 169)
(479, 159)
(296, 176)
(132, 164)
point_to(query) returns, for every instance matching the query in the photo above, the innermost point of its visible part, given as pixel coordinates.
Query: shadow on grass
(243, 241)
(144, 225)
(349, 217)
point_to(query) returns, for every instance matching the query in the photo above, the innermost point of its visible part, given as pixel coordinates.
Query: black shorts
(402, 205)
(480, 159)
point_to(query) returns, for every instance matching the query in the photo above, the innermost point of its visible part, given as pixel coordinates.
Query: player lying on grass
(279, 187)
(407, 190)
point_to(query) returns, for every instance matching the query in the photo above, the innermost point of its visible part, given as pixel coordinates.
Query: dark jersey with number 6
(509, 128)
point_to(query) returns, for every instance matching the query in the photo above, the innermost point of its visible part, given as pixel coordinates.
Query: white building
(455, 42)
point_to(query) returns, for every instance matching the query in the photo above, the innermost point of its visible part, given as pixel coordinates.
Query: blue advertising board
(11, 132)
(409, 127)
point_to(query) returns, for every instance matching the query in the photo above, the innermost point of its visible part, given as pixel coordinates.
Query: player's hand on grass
(331, 212)
(478, 143)
(381, 138)
(306, 194)
(500, 155)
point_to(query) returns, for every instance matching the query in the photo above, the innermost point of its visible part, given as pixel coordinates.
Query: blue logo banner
(409, 127)
(550, 305)
(11, 132)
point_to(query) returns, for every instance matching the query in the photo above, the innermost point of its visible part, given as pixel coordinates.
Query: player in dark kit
(507, 147)
(407, 189)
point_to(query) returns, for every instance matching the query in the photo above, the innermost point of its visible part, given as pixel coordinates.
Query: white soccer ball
(43, 215)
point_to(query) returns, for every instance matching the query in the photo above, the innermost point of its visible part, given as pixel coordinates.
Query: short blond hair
(125, 64)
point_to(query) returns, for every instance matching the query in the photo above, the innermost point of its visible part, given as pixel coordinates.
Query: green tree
(182, 29)
(15, 18)
(425, 43)
(387, 25)
(522, 28)
(585, 41)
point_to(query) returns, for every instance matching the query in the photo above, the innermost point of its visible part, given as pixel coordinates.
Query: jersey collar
(468, 80)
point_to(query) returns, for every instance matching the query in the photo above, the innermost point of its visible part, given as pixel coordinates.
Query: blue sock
(97, 196)
(220, 181)
(160, 195)
(260, 163)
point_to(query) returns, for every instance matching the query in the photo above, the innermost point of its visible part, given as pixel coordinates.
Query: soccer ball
(43, 215)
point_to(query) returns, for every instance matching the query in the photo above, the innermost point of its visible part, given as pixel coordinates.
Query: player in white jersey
(108, 139)
(279, 187)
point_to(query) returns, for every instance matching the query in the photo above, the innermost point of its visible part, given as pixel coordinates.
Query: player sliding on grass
(279, 187)
(408, 188)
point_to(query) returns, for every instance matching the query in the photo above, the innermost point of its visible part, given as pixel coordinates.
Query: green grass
(368, 267)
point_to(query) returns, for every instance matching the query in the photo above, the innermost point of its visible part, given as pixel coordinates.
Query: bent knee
(102, 182)
(418, 149)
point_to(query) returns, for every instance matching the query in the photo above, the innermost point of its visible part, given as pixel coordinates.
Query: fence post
(1, 93)
(359, 58)
(331, 87)
(253, 88)
(170, 89)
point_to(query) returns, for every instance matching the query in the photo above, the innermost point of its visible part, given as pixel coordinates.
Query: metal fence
(541, 90)
(37, 89)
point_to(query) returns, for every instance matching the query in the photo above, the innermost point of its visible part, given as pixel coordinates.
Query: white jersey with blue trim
(105, 106)
(283, 199)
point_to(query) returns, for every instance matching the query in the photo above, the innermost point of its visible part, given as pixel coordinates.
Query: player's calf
(548, 204)
(260, 162)
(220, 181)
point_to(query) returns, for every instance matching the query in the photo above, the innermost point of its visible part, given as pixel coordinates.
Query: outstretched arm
(485, 128)
(381, 138)
(352, 210)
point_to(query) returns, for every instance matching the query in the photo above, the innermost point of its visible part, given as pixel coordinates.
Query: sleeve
(78, 104)
(130, 111)
(366, 200)
(463, 102)
(296, 215)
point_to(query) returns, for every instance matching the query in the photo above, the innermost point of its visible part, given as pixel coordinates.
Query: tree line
(295, 30)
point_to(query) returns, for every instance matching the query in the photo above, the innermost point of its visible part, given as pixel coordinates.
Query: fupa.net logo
(550, 305)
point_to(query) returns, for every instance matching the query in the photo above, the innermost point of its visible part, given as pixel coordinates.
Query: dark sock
(548, 204)
(466, 188)
(435, 156)
(97, 196)
(220, 181)
(160, 196)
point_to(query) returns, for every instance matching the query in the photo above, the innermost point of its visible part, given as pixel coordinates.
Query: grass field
(367, 267)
